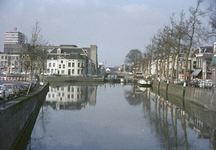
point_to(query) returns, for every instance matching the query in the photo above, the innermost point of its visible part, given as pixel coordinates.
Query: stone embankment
(203, 97)
(17, 115)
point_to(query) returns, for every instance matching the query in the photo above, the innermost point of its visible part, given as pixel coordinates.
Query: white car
(12, 88)
(2, 90)
(208, 83)
(177, 81)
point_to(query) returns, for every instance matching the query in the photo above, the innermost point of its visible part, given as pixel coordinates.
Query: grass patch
(53, 79)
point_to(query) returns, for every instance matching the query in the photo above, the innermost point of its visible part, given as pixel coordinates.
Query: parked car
(14, 91)
(26, 86)
(186, 81)
(34, 83)
(6, 92)
(167, 80)
(177, 81)
(21, 89)
(194, 83)
(206, 83)
(209, 83)
(172, 81)
(202, 84)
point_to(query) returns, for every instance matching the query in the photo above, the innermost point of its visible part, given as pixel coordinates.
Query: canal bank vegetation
(185, 32)
(57, 79)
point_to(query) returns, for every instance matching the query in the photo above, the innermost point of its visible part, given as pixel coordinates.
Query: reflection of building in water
(194, 117)
(71, 97)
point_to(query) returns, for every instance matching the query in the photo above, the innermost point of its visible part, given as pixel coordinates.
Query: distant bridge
(119, 74)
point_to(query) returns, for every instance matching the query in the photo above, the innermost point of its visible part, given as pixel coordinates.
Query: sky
(115, 27)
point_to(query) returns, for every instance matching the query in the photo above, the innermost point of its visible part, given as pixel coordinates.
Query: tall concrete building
(14, 38)
(92, 54)
(15, 42)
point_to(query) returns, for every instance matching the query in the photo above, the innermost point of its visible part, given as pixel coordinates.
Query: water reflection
(71, 96)
(173, 125)
(116, 122)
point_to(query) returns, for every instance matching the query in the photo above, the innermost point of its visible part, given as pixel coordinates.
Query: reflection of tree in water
(43, 120)
(132, 97)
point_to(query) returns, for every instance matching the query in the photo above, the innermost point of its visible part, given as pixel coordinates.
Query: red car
(172, 81)
(194, 83)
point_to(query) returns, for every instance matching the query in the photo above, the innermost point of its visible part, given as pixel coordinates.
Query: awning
(196, 72)
(213, 62)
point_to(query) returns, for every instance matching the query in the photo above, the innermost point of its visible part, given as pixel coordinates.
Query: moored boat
(144, 83)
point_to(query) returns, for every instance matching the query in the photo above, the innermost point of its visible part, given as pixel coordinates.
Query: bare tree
(193, 30)
(36, 39)
(178, 34)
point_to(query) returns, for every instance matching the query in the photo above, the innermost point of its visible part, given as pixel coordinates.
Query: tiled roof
(75, 56)
(68, 50)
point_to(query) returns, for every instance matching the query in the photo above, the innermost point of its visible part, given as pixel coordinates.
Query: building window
(69, 64)
(78, 71)
(68, 88)
(2, 57)
(60, 66)
(78, 64)
(72, 71)
(63, 65)
(72, 96)
(62, 71)
(62, 61)
(49, 64)
(53, 64)
(72, 64)
(72, 89)
(68, 95)
(69, 71)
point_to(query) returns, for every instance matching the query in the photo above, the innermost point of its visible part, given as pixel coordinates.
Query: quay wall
(17, 114)
(203, 97)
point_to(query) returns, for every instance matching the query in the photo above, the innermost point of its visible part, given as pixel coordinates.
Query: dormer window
(58, 51)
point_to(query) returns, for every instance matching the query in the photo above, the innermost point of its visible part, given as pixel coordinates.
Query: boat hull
(144, 83)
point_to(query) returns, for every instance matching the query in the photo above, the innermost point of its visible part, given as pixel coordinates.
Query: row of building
(201, 65)
(63, 60)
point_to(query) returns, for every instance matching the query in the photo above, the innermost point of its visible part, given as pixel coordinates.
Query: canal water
(115, 116)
